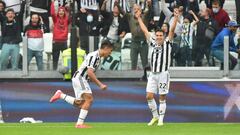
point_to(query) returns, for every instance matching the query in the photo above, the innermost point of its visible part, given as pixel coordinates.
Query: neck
(100, 53)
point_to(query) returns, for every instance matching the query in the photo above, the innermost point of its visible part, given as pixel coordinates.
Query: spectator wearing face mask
(219, 14)
(185, 56)
(60, 32)
(89, 25)
(209, 3)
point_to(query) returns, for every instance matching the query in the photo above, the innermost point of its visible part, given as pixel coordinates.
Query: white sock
(82, 115)
(153, 107)
(162, 109)
(67, 98)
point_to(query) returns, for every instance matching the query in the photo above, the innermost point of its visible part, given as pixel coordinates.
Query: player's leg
(162, 109)
(163, 87)
(88, 99)
(151, 90)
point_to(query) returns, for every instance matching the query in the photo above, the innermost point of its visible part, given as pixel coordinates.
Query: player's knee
(149, 97)
(89, 99)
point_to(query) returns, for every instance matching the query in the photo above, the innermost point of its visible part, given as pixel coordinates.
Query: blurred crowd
(199, 34)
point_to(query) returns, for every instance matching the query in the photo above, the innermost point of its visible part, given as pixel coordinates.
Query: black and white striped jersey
(89, 4)
(161, 55)
(92, 60)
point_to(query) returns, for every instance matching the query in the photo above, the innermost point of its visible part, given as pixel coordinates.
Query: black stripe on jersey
(86, 77)
(167, 53)
(161, 61)
(152, 60)
(84, 71)
(75, 74)
(90, 61)
(155, 64)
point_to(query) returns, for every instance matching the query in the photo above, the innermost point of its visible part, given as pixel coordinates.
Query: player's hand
(103, 87)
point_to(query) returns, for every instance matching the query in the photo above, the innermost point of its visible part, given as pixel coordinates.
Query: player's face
(159, 37)
(107, 51)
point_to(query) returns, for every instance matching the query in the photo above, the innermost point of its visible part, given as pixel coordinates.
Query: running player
(83, 94)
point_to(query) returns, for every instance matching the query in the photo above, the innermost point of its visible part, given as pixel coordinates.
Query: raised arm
(173, 27)
(142, 25)
(165, 9)
(103, 7)
(53, 14)
(196, 20)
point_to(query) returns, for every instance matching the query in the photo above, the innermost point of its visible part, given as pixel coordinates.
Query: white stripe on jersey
(92, 60)
(161, 55)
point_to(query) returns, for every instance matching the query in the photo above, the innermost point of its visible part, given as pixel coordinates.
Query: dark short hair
(216, 1)
(10, 10)
(158, 30)
(4, 4)
(106, 44)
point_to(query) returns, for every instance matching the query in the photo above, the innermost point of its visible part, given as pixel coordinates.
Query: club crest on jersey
(157, 49)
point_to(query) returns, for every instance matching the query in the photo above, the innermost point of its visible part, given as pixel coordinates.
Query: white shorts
(80, 86)
(158, 83)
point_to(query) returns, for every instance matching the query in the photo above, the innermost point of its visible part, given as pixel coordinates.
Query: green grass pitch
(121, 129)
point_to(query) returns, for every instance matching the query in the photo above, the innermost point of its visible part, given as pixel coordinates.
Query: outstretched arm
(142, 25)
(173, 27)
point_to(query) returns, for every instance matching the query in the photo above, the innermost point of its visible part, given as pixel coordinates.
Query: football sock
(153, 107)
(82, 116)
(67, 98)
(162, 109)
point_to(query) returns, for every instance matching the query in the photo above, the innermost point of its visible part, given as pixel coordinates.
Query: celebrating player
(158, 80)
(83, 94)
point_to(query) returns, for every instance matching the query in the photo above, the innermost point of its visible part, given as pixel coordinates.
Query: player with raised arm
(83, 94)
(158, 80)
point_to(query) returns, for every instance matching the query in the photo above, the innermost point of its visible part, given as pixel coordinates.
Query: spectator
(209, 3)
(11, 37)
(88, 24)
(42, 7)
(165, 28)
(237, 3)
(205, 33)
(2, 14)
(178, 31)
(60, 32)
(217, 45)
(115, 25)
(139, 44)
(114, 28)
(219, 14)
(185, 57)
(122, 3)
(34, 32)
